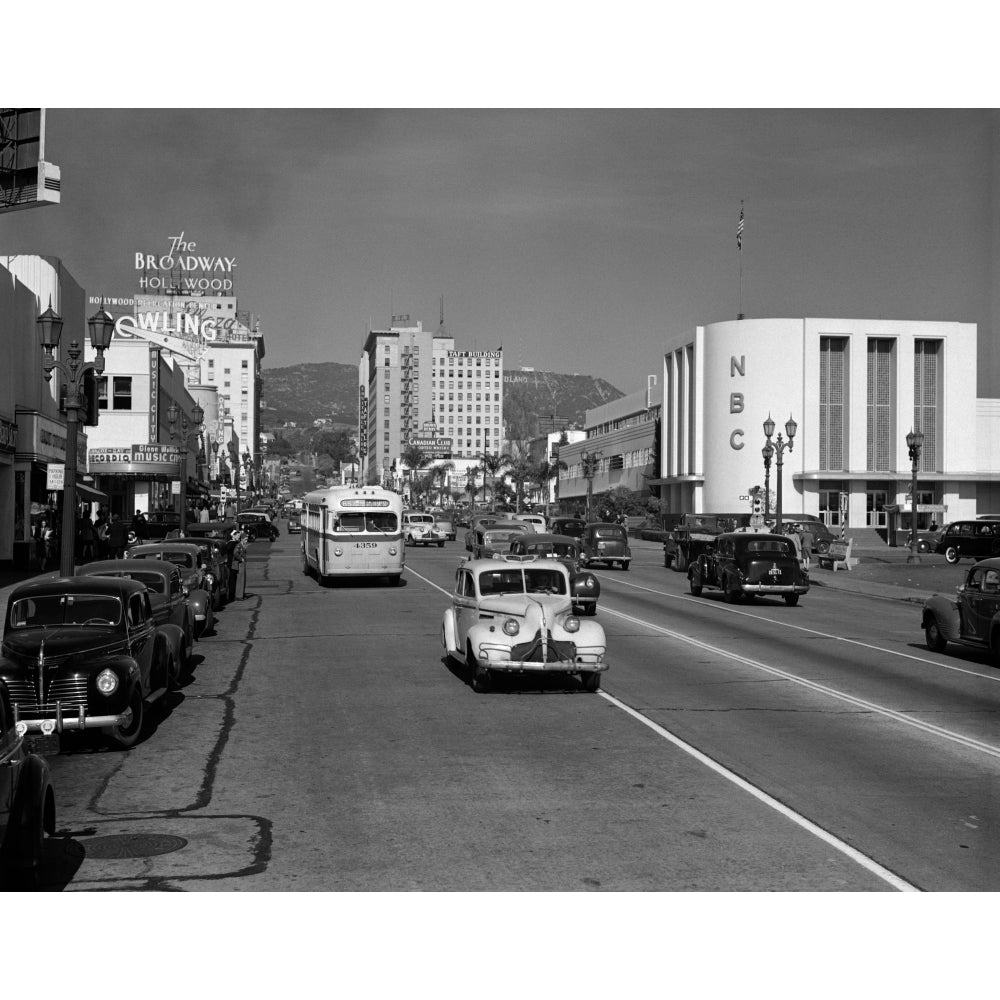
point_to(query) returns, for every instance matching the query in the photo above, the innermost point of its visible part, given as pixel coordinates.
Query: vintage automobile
(27, 804)
(605, 544)
(85, 652)
(294, 522)
(536, 521)
(572, 526)
(978, 539)
(187, 557)
(476, 522)
(746, 564)
(446, 523)
(493, 540)
(220, 534)
(257, 524)
(584, 586)
(167, 597)
(419, 529)
(696, 533)
(160, 523)
(213, 560)
(972, 617)
(927, 541)
(516, 616)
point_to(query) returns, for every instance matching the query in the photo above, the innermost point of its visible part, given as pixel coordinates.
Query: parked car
(27, 804)
(494, 539)
(419, 529)
(215, 576)
(187, 557)
(516, 616)
(585, 587)
(167, 597)
(159, 523)
(750, 564)
(537, 521)
(572, 526)
(446, 523)
(972, 617)
(257, 525)
(977, 539)
(822, 535)
(83, 653)
(927, 541)
(605, 544)
(696, 533)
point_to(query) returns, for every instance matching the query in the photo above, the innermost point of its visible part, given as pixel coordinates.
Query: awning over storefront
(84, 491)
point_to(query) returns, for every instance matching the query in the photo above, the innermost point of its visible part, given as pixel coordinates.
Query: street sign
(55, 477)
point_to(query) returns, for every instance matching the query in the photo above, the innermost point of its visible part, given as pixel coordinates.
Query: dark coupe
(972, 617)
(749, 564)
(605, 544)
(194, 575)
(584, 586)
(82, 653)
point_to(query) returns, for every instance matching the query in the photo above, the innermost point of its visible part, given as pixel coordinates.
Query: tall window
(832, 401)
(926, 382)
(122, 388)
(881, 393)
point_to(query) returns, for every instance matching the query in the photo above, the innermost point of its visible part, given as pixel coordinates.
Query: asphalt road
(324, 743)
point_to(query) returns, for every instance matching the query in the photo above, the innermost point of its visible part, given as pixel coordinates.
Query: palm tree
(491, 466)
(547, 471)
(521, 470)
(413, 458)
(439, 475)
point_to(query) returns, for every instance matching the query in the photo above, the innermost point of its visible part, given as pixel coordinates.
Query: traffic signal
(758, 500)
(89, 413)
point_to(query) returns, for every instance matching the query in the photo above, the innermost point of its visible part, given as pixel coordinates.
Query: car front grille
(555, 651)
(70, 691)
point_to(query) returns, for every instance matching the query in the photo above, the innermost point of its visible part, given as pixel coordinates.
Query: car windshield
(421, 519)
(65, 609)
(517, 581)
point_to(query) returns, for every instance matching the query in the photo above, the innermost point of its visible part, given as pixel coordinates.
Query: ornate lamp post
(73, 370)
(780, 447)
(914, 442)
(215, 462)
(248, 468)
(197, 416)
(591, 460)
(768, 452)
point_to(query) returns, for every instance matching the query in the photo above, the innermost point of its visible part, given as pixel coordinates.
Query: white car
(515, 615)
(420, 529)
(537, 521)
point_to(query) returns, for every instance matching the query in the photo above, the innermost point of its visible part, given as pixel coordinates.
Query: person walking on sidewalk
(117, 538)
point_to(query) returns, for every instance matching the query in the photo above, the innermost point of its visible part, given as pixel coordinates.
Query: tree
(521, 470)
(439, 475)
(546, 471)
(491, 467)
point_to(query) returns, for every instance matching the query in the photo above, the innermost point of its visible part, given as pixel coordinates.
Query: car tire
(591, 680)
(731, 596)
(479, 679)
(822, 547)
(21, 867)
(695, 588)
(936, 642)
(625, 565)
(791, 600)
(951, 554)
(125, 737)
(923, 547)
(441, 544)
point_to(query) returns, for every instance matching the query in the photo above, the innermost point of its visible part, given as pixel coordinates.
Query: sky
(575, 239)
(576, 234)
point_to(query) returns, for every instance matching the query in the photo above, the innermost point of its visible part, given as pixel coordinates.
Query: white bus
(353, 531)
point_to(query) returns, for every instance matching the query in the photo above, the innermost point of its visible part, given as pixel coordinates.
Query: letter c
(735, 444)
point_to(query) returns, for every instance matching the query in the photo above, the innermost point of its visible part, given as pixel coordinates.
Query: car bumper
(775, 588)
(72, 719)
(534, 657)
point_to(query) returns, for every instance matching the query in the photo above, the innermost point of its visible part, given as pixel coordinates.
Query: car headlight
(209, 579)
(588, 582)
(511, 626)
(572, 624)
(107, 681)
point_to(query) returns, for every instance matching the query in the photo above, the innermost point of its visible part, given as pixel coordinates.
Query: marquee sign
(137, 459)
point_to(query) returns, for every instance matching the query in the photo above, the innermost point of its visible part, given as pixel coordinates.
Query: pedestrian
(204, 515)
(808, 540)
(117, 538)
(39, 535)
(86, 537)
(101, 535)
(51, 559)
(237, 557)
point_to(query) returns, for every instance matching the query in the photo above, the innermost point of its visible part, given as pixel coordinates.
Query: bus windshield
(356, 521)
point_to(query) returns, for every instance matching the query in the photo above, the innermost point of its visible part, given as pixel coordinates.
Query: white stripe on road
(855, 855)
(762, 796)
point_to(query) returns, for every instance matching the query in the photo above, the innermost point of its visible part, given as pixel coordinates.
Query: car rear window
(609, 532)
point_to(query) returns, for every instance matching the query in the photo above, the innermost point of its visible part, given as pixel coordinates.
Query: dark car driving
(978, 539)
(604, 544)
(749, 564)
(972, 617)
(585, 587)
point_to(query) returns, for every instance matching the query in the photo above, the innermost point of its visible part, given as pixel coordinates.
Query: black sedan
(27, 804)
(84, 653)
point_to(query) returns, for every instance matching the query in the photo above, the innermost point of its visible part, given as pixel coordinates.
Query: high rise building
(415, 388)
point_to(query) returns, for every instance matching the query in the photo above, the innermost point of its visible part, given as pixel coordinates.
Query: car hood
(530, 606)
(60, 642)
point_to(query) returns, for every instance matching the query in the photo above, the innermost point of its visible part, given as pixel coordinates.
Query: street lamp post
(780, 446)
(248, 468)
(215, 462)
(73, 370)
(914, 442)
(197, 416)
(768, 452)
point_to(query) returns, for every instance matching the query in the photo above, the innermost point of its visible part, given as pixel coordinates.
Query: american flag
(739, 230)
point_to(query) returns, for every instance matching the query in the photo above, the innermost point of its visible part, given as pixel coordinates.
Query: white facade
(855, 388)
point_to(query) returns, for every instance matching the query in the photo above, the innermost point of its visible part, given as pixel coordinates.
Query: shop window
(122, 389)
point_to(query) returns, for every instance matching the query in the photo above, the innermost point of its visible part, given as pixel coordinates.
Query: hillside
(303, 393)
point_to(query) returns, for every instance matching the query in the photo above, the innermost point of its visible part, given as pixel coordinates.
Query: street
(323, 743)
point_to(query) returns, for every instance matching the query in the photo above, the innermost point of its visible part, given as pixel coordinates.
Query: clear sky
(576, 239)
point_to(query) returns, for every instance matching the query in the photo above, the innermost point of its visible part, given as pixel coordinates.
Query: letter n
(737, 367)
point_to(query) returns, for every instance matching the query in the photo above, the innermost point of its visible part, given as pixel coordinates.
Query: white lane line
(835, 842)
(993, 677)
(966, 741)
(855, 855)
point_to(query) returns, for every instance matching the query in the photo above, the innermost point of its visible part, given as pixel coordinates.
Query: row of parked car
(93, 653)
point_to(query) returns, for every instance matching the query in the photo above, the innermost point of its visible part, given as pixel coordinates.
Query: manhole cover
(131, 845)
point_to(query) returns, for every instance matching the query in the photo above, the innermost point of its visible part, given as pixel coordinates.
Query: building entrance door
(876, 516)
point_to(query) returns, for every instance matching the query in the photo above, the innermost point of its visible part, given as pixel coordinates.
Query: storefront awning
(86, 492)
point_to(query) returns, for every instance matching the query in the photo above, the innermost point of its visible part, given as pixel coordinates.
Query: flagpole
(739, 247)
